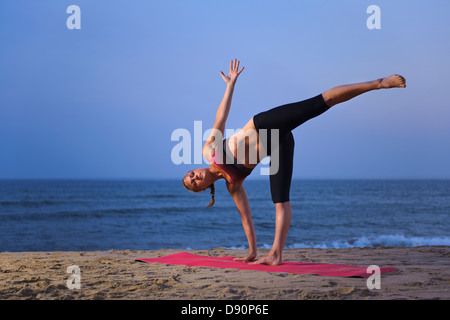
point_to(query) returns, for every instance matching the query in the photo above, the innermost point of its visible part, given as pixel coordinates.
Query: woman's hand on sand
(233, 74)
(250, 257)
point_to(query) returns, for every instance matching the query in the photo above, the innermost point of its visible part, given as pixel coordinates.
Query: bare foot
(394, 81)
(269, 260)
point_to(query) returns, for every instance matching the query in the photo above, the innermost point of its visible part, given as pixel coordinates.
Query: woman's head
(199, 180)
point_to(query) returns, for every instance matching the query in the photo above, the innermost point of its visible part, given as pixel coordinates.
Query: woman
(255, 140)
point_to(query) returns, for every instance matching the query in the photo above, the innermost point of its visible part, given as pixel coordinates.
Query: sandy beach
(422, 273)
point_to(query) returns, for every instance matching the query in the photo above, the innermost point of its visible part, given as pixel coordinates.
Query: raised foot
(394, 81)
(269, 260)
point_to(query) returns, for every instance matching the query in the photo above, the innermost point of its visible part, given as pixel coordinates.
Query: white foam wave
(378, 241)
(366, 241)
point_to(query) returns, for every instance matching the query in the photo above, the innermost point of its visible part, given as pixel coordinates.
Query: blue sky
(103, 101)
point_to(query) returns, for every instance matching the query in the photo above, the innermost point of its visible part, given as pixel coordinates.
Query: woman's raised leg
(343, 93)
(288, 117)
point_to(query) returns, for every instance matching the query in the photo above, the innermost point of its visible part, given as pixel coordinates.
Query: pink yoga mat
(324, 269)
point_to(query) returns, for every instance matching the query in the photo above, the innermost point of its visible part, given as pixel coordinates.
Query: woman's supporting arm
(240, 198)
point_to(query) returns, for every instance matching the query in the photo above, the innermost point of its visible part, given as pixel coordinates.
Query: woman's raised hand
(231, 77)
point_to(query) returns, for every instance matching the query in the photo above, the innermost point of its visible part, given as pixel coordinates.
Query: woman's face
(197, 180)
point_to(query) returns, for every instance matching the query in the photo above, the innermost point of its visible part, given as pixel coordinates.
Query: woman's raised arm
(224, 107)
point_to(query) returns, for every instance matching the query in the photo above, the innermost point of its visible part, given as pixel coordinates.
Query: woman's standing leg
(280, 184)
(283, 212)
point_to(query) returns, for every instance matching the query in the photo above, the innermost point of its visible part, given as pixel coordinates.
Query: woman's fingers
(246, 259)
(234, 65)
(224, 77)
(241, 259)
(234, 71)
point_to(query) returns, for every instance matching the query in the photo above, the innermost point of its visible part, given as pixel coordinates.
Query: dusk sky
(102, 101)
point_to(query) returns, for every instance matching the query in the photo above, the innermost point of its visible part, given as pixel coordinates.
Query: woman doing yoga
(277, 141)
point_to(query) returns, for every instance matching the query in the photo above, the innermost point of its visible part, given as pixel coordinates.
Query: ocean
(73, 215)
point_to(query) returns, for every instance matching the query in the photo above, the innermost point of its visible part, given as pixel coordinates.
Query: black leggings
(285, 118)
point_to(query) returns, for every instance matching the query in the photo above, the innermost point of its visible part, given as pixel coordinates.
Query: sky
(103, 101)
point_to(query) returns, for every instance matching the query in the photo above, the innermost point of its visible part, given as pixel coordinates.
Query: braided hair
(212, 190)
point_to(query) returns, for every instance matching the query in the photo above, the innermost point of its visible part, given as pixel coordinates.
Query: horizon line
(249, 179)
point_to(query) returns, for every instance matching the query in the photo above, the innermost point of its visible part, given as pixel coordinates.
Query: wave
(366, 241)
(378, 241)
(29, 203)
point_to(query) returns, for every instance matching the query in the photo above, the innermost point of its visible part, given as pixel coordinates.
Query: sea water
(60, 215)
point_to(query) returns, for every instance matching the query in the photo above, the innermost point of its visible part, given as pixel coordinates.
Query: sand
(422, 273)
